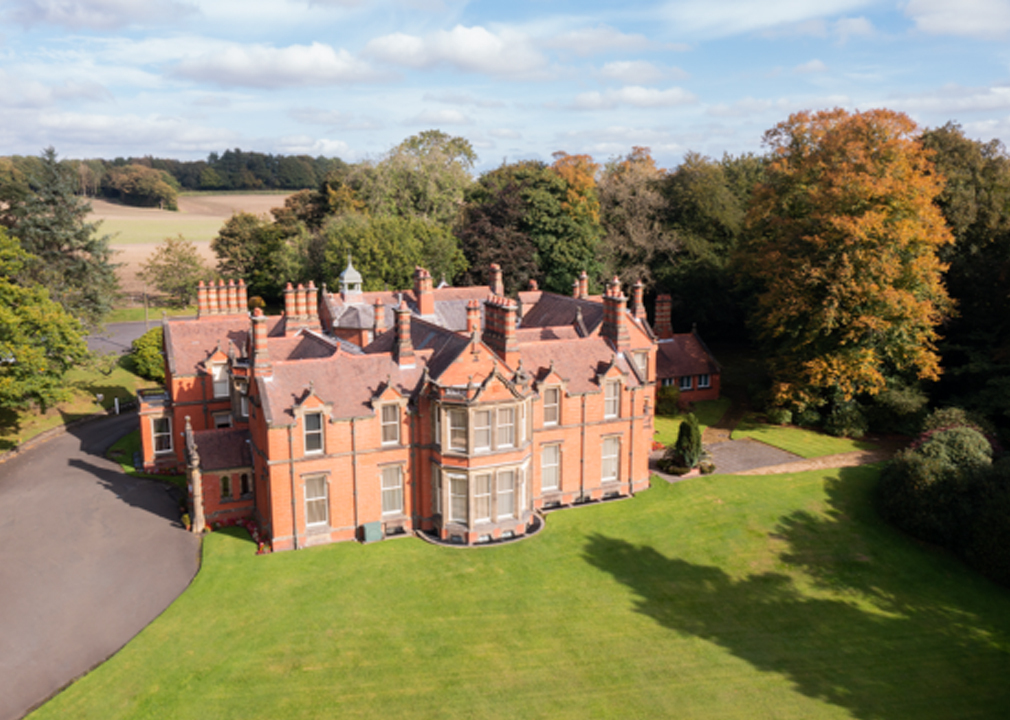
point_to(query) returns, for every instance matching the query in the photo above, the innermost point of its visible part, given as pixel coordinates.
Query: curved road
(88, 557)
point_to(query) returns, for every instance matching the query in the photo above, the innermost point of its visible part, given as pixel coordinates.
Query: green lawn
(708, 412)
(720, 597)
(153, 230)
(805, 443)
(136, 314)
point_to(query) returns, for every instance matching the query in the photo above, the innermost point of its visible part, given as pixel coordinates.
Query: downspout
(291, 466)
(582, 454)
(631, 458)
(354, 473)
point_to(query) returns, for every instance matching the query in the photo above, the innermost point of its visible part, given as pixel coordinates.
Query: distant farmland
(135, 231)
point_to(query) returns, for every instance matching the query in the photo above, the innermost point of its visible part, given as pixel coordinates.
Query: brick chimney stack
(403, 351)
(496, 284)
(212, 294)
(424, 291)
(638, 301)
(300, 312)
(500, 329)
(575, 288)
(312, 307)
(243, 297)
(534, 285)
(202, 303)
(379, 318)
(232, 298)
(664, 317)
(260, 351)
(615, 316)
(583, 285)
(289, 302)
(473, 317)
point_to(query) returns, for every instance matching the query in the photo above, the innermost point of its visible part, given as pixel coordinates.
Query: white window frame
(243, 406)
(392, 490)
(457, 434)
(506, 427)
(685, 382)
(222, 420)
(612, 399)
(550, 466)
(610, 459)
(552, 406)
(436, 487)
(219, 380)
(438, 425)
(642, 363)
(317, 500)
(390, 420)
(482, 514)
(503, 475)
(320, 432)
(487, 430)
(456, 482)
(704, 381)
(165, 434)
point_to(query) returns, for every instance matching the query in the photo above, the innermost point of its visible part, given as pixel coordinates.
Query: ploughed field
(136, 231)
(716, 597)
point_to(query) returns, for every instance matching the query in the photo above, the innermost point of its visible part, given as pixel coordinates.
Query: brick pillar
(496, 284)
(534, 285)
(615, 317)
(664, 321)
(472, 317)
(260, 349)
(232, 298)
(403, 350)
(638, 301)
(575, 288)
(500, 329)
(424, 291)
(202, 305)
(243, 297)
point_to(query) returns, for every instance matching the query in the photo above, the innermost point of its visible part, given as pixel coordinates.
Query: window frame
(507, 427)
(485, 516)
(552, 408)
(457, 433)
(391, 481)
(704, 381)
(454, 482)
(685, 382)
(556, 466)
(321, 500)
(224, 482)
(501, 475)
(320, 432)
(641, 360)
(165, 434)
(614, 458)
(612, 399)
(489, 428)
(219, 380)
(245, 481)
(222, 420)
(390, 424)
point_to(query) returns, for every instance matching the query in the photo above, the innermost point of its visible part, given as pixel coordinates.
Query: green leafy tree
(533, 201)
(256, 250)
(39, 340)
(425, 176)
(841, 255)
(148, 356)
(175, 268)
(40, 208)
(143, 186)
(387, 248)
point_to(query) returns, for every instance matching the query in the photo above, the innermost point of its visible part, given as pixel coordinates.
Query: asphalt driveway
(88, 557)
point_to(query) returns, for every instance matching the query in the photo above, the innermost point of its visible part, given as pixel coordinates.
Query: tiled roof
(684, 354)
(557, 310)
(578, 361)
(189, 342)
(223, 449)
(445, 344)
(450, 306)
(304, 346)
(348, 382)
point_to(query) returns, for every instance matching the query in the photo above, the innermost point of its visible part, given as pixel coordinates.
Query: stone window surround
(442, 480)
(444, 427)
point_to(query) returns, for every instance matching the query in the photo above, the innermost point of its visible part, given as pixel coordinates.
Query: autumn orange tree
(841, 255)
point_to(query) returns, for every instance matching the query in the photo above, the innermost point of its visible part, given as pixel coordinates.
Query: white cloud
(97, 14)
(847, 28)
(952, 99)
(462, 98)
(268, 67)
(635, 96)
(333, 119)
(814, 66)
(733, 17)
(602, 39)
(307, 145)
(986, 19)
(639, 71)
(439, 117)
(470, 49)
(505, 134)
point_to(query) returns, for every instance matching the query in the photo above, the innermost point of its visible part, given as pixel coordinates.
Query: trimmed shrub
(950, 417)
(809, 417)
(957, 447)
(779, 416)
(667, 400)
(148, 356)
(846, 420)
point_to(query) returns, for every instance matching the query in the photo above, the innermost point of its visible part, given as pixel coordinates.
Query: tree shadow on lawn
(886, 630)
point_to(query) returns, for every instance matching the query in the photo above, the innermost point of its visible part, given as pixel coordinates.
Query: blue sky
(352, 78)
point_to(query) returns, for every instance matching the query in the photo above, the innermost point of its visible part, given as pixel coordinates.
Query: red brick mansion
(359, 415)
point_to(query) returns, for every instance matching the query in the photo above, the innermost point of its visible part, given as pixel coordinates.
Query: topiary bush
(148, 356)
(846, 420)
(667, 400)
